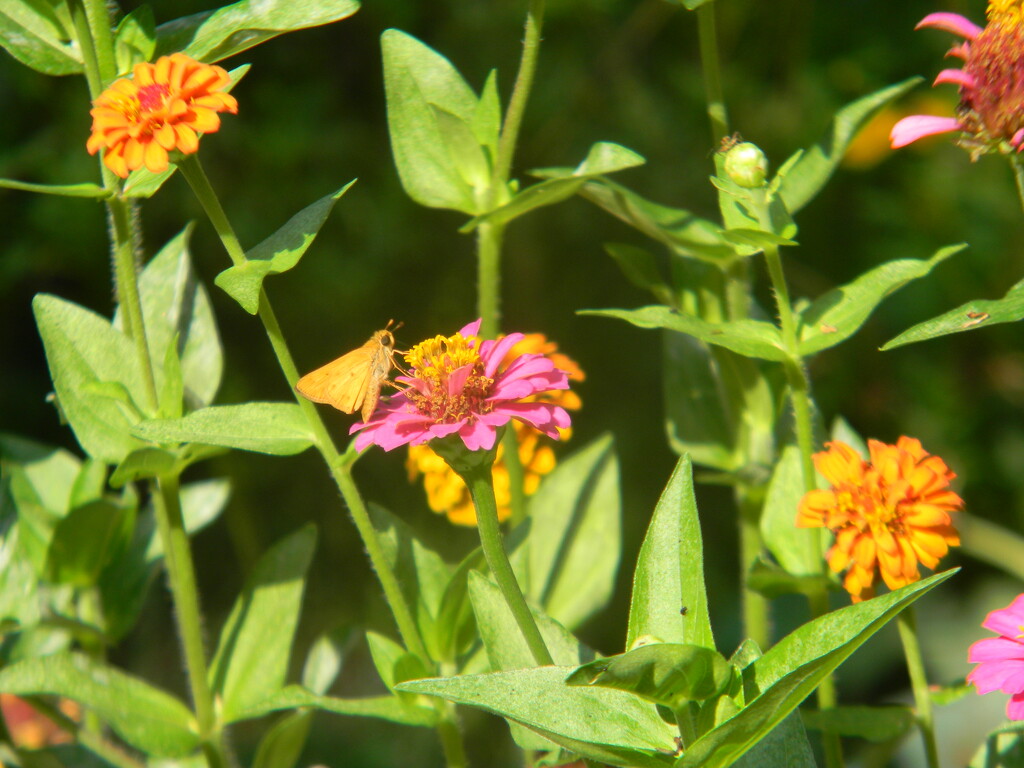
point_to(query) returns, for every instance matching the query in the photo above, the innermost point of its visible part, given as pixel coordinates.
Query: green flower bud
(746, 165)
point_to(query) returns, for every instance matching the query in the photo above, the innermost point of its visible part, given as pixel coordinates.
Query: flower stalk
(907, 624)
(711, 66)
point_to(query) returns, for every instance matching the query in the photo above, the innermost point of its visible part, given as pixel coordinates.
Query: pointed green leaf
(86, 189)
(85, 352)
(48, 473)
(800, 551)
(751, 338)
(487, 118)
(83, 542)
(176, 305)
(807, 177)
(791, 670)
(214, 35)
(837, 314)
(669, 601)
(604, 157)
(567, 555)
(679, 229)
(147, 718)
(135, 39)
(37, 33)
(769, 579)
(980, 313)
(324, 660)
(278, 253)
(279, 429)
(282, 745)
(384, 707)
(641, 269)
(256, 642)
(418, 81)
(671, 674)
(605, 724)
(785, 746)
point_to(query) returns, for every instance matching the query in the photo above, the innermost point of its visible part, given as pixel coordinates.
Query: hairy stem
(481, 487)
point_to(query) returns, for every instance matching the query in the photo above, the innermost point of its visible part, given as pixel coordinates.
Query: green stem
(799, 389)
(481, 487)
(517, 492)
(907, 623)
(103, 38)
(685, 724)
(1018, 176)
(338, 465)
(756, 622)
(712, 68)
(91, 67)
(182, 577)
(520, 94)
(488, 249)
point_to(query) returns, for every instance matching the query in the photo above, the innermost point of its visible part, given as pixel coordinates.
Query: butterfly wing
(342, 383)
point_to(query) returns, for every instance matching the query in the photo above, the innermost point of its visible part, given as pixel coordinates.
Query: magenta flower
(990, 116)
(454, 387)
(1000, 659)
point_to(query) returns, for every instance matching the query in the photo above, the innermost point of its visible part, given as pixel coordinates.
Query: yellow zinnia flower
(164, 106)
(447, 494)
(888, 514)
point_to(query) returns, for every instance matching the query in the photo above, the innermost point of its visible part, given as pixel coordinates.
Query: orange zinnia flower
(448, 495)
(889, 513)
(165, 105)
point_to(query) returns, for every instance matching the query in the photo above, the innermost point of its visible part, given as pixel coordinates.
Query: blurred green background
(312, 117)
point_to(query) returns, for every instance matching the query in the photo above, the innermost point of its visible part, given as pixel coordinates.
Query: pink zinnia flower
(990, 115)
(1000, 659)
(454, 387)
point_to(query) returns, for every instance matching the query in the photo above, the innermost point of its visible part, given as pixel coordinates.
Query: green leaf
(751, 338)
(719, 407)
(1003, 748)
(324, 660)
(278, 253)
(506, 648)
(84, 352)
(777, 682)
(878, 724)
(83, 542)
(767, 578)
(837, 314)
(670, 674)
(215, 35)
(641, 269)
(135, 39)
(682, 231)
(389, 658)
(44, 474)
(487, 118)
(567, 554)
(420, 84)
(147, 718)
(38, 34)
(279, 429)
(800, 551)
(177, 312)
(282, 745)
(785, 746)
(669, 601)
(421, 572)
(601, 723)
(144, 462)
(692, 5)
(255, 644)
(815, 166)
(85, 189)
(384, 707)
(604, 157)
(980, 313)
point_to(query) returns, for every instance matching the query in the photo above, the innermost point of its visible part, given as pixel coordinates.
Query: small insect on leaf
(353, 381)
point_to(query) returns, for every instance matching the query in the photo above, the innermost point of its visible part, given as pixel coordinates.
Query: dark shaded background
(312, 117)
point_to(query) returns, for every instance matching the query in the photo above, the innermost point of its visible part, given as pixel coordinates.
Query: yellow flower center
(1005, 11)
(437, 362)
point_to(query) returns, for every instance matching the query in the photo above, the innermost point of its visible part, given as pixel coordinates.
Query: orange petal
(134, 154)
(165, 136)
(188, 141)
(156, 157)
(205, 121)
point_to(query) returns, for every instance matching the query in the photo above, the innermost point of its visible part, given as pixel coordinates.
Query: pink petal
(959, 51)
(910, 129)
(493, 353)
(457, 379)
(1008, 621)
(472, 329)
(950, 22)
(1013, 681)
(986, 678)
(956, 77)
(995, 649)
(1018, 139)
(478, 436)
(1015, 707)
(542, 416)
